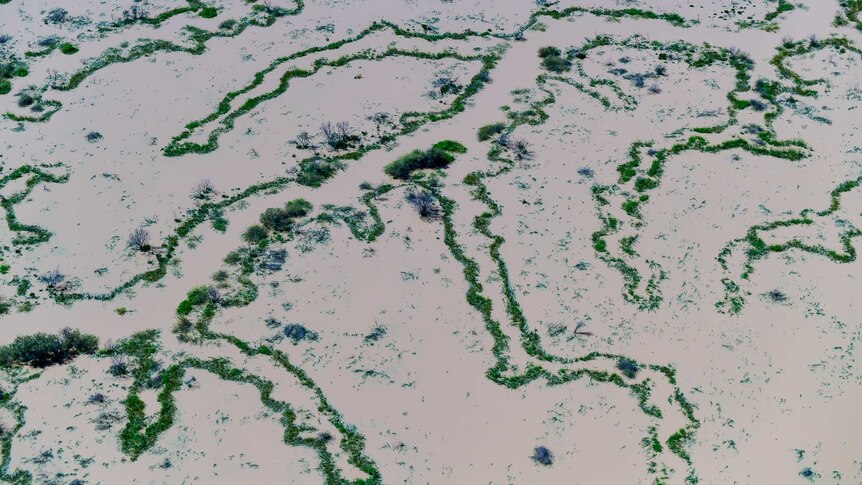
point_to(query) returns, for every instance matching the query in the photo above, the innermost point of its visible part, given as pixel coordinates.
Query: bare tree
(53, 278)
(329, 134)
(343, 128)
(304, 140)
(54, 78)
(202, 190)
(139, 240)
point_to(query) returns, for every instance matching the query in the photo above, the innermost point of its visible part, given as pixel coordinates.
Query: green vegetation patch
(405, 165)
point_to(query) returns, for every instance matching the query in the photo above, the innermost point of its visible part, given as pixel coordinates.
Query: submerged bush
(405, 165)
(43, 350)
(543, 456)
(627, 367)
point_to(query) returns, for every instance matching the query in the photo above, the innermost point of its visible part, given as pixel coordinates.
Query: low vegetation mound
(438, 156)
(43, 350)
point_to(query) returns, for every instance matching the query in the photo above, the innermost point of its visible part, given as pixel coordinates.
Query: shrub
(281, 219)
(208, 12)
(5, 305)
(119, 366)
(757, 105)
(227, 24)
(627, 367)
(296, 332)
(25, 99)
(450, 146)
(316, 171)
(543, 456)
(489, 131)
(405, 165)
(549, 51)
(43, 350)
(94, 136)
(57, 16)
(424, 203)
(220, 276)
(298, 208)
(276, 219)
(776, 295)
(255, 234)
(5, 86)
(556, 64)
(68, 49)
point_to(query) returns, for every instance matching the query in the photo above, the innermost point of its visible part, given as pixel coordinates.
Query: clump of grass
(68, 48)
(405, 165)
(43, 350)
(776, 295)
(490, 131)
(450, 146)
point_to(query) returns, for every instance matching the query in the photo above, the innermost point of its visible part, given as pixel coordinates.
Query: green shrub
(255, 234)
(43, 350)
(184, 308)
(405, 165)
(556, 64)
(208, 12)
(281, 219)
(5, 86)
(450, 146)
(68, 49)
(298, 208)
(489, 131)
(314, 172)
(276, 219)
(549, 51)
